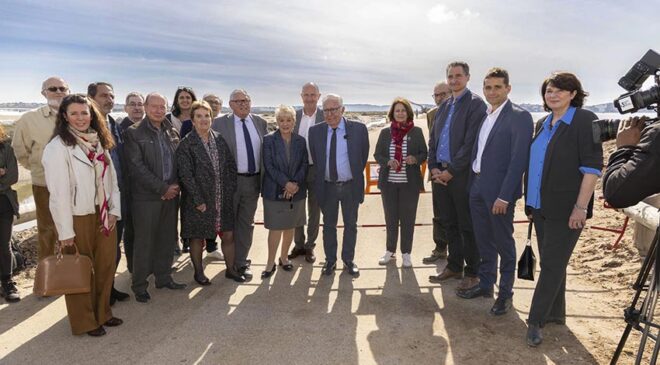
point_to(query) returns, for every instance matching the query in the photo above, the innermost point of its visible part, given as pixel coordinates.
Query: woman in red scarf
(400, 151)
(84, 203)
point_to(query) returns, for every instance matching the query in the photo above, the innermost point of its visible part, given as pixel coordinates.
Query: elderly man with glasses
(243, 132)
(34, 130)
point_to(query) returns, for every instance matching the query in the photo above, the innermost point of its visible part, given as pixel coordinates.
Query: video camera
(636, 99)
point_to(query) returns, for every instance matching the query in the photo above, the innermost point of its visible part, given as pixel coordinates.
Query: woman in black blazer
(564, 166)
(283, 188)
(400, 151)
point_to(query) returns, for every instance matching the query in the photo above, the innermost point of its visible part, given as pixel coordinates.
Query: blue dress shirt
(537, 158)
(443, 152)
(343, 164)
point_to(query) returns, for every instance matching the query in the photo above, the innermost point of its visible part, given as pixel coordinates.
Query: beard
(55, 103)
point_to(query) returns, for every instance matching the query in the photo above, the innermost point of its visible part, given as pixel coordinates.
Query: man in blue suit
(499, 159)
(339, 148)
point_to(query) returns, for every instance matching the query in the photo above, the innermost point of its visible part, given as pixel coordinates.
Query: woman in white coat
(84, 203)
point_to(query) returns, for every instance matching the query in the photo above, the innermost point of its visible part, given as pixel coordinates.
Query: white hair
(333, 97)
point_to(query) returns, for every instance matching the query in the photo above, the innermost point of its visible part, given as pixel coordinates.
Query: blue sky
(367, 51)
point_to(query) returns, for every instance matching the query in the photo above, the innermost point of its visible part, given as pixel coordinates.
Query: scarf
(399, 131)
(89, 143)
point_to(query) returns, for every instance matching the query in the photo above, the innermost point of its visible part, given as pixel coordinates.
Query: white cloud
(441, 14)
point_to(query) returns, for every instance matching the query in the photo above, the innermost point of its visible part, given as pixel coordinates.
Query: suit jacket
(416, 147)
(469, 112)
(505, 155)
(430, 117)
(279, 171)
(571, 147)
(299, 113)
(357, 140)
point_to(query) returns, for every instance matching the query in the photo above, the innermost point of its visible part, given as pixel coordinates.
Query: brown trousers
(90, 310)
(47, 234)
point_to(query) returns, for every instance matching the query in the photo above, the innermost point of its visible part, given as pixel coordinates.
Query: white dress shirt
(241, 149)
(307, 122)
(484, 132)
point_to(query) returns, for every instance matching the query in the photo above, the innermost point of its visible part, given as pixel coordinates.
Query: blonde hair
(283, 110)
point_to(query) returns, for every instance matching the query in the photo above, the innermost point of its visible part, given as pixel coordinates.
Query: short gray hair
(333, 96)
(134, 94)
(238, 91)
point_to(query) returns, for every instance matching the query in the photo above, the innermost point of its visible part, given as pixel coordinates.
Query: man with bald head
(150, 146)
(33, 131)
(243, 132)
(309, 115)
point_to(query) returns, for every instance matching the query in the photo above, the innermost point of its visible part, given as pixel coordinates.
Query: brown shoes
(444, 275)
(467, 283)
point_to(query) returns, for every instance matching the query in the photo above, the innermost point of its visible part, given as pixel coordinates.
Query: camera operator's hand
(630, 131)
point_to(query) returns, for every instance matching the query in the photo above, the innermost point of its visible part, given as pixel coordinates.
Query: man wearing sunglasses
(34, 130)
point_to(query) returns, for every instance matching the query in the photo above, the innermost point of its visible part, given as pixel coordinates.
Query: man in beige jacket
(34, 130)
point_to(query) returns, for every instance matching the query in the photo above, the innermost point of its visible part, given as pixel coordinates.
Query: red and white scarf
(399, 131)
(89, 143)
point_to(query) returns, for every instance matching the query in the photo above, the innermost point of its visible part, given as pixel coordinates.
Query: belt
(338, 182)
(444, 165)
(248, 174)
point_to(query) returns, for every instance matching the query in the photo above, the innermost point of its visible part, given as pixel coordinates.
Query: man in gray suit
(243, 132)
(306, 117)
(340, 149)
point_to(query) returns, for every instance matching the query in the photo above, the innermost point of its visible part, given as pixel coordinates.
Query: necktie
(252, 166)
(333, 156)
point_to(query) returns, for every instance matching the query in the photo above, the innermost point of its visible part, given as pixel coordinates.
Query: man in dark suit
(499, 159)
(340, 149)
(104, 96)
(307, 117)
(243, 132)
(441, 92)
(450, 147)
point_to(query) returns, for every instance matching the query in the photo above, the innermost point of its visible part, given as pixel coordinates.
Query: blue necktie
(252, 166)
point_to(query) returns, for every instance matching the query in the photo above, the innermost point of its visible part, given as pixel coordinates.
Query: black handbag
(527, 262)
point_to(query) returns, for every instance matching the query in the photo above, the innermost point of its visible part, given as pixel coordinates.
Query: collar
(46, 111)
(151, 126)
(490, 110)
(455, 100)
(567, 118)
(341, 126)
(238, 120)
(309, 116)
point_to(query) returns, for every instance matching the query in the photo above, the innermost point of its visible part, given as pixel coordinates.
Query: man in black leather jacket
(633, 171)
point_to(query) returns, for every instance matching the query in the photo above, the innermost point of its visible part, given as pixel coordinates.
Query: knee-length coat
(197, 179)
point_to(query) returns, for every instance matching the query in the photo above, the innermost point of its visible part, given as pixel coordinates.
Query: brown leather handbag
(63, 274)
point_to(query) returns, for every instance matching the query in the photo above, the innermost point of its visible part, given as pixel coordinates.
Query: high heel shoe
(203, 281)
(286, 267)
(266, 274)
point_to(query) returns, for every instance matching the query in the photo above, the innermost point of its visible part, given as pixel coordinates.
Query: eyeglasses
(332, 110)
(54, 89)
(439, 94)
(135, 105)
(240, 101)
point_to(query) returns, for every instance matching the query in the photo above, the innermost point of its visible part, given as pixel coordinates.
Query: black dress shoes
(296, 252)
(501, 306)
(351, 268)
(534, 335)
(236, 276)
(246, 272)
(142, 297)
(203, 280)
(329, 268)
(266, 274)
(309, 255)
(172, 285)
(474, 292)
(116, 295)
(98, 332)
(114, 322)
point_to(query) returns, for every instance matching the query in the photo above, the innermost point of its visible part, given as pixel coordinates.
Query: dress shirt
(537, 156)
(443, 154)
(307, 122)
(343, 164)
(484, 133)
(166, 152)
(241, 149)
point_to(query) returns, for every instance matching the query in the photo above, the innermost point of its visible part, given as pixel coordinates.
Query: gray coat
(299, 113)
(197, 179)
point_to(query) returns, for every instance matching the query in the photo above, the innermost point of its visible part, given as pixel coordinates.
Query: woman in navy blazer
(564, 165)
(283, 188)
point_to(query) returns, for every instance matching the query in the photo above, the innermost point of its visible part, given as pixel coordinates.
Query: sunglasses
(53, 89)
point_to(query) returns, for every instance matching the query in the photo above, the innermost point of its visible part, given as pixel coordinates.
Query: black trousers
(455, 219)
(556, 242)
(6, 223)
(400, 206)
(439, 233)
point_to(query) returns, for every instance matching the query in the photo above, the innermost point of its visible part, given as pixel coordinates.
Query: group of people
(98, 181)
